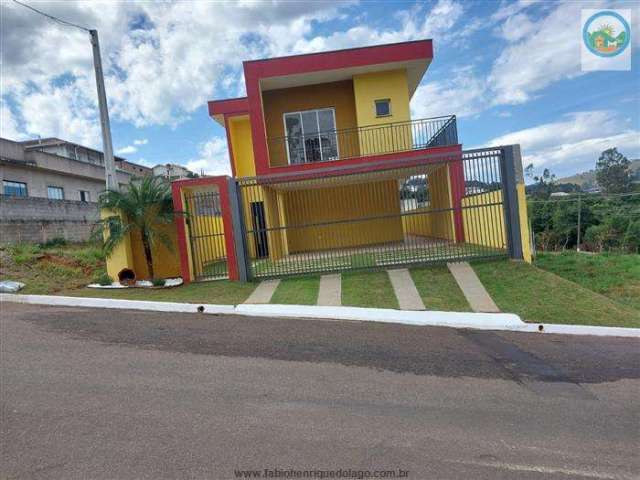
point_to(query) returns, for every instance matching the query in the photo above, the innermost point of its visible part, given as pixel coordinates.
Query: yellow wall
(338, 95)
(166, 263)
(121, 257)
(242, 146)
(340, 204)
(484, 225)
(368, 88)
(427, 223)
(130, 254)
(524, 223)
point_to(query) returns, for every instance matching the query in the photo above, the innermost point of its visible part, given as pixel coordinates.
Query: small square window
(383, 108)
(84, 196)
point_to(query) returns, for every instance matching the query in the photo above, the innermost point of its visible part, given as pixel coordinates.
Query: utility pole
(109, 163)
(579, 221)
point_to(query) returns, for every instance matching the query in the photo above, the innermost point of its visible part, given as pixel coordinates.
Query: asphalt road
(111, 394)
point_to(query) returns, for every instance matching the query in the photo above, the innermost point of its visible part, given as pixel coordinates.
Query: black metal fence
(363, 141)
(394, 216)
(206, 235)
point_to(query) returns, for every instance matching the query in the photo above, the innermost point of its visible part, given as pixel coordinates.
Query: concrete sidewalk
(473, 290)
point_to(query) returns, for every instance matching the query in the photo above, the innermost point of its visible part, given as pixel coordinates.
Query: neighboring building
(172, 171)
(331, 173)
(50, 188)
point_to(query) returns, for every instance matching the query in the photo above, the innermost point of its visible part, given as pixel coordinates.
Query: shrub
(102, 279)
(22, 253)
(158, 282)
(54, 242)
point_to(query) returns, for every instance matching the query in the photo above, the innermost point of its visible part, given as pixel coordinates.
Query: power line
(51, 17)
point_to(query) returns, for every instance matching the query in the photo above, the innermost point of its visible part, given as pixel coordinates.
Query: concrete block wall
(37, 220)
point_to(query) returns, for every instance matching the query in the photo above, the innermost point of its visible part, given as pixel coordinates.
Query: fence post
(235, 204)
(511, 167)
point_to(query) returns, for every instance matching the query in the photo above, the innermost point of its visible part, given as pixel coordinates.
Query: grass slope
(47, 270)
(368, 289)
(540, 296)
(615, 275)
(297, 291)
(439, 290)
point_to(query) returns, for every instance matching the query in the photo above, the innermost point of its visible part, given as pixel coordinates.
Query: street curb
(478, 321)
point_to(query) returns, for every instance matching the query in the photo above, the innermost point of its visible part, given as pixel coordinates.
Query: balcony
(332, 145)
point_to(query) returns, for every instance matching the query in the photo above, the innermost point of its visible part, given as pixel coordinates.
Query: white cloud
(575, 142)
(65, 112)
(129, 149)
(141, 141)
(9, 124)
(462, 94)
(213, 158)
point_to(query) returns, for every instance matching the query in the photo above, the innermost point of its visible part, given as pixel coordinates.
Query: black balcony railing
(363, 141)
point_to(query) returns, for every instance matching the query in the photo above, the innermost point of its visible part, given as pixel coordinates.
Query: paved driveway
(123, 395)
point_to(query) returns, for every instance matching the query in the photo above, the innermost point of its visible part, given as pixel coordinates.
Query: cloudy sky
(510, 71)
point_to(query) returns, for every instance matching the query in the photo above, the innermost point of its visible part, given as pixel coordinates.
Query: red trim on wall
(181, 232)
(363, 164)
(299, 64)
(228, 106)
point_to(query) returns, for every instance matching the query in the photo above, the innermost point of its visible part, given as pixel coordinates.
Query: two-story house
(330, 172)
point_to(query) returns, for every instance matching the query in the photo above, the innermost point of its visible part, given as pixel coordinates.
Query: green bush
(102, 279)
(158, 282)
(24, 253)
(54, 242)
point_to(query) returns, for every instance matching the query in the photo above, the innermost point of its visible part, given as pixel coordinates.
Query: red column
(456, 180)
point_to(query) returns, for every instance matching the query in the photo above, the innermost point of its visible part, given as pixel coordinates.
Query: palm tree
(145, 205)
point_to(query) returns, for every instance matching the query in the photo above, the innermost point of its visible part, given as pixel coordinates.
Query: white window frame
(300, 112)
(59, 188)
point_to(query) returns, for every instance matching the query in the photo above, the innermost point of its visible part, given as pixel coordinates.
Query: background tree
(612, 172)
(144, 206)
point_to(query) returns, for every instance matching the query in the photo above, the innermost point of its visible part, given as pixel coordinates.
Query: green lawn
(540, 296)
(615, 275)
(297, 291)
(439, 290)
(368, 289)
(216, 292)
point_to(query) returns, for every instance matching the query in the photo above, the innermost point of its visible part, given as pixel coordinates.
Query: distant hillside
(588, 179)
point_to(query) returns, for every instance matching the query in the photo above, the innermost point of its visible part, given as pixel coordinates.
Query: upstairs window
(383, 107)
(311, 136)
(84, 196)
(55, 193)
(15, 189)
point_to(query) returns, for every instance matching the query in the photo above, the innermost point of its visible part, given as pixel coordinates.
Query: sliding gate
(436, 211)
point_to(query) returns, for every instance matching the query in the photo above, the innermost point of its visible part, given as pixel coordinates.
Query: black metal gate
(437, 211)
(207, 248)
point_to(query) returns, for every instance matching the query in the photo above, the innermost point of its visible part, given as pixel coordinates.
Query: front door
(259, 229)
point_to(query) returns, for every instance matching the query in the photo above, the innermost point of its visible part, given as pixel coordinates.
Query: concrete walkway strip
(473, 290)
(478, 321)
(263, 292)
(405, 290)
(330, 293)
